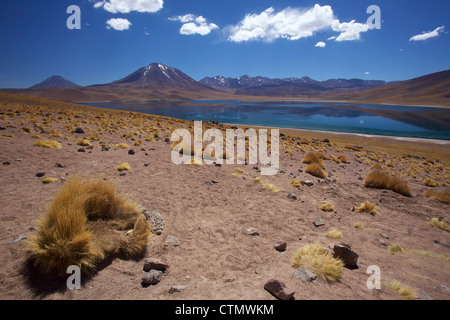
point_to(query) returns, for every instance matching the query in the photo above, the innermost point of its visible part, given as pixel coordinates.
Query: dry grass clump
(270, 187)
(121, 146)
(124, 166)
(443, 196)
(430, 182)
(87, 222)
(326, 206)
(316, 170)
(83, 142)
(343, 159)
(50, 180)
(52, 144)
(404, 292)
(318, 260)
(396, 248)
(296, 183)
(358, 225)
(334, 234)
(441, 224)
(313, 157)
(379, 179)
(367, 207)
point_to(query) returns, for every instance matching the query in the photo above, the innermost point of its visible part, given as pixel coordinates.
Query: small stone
(131, 152)
(292, 196)
(384, 235)
(155, 264)
(40, 174)
(105, 148)
(19, 159)
(145, 164)
(21, 237)
(151, 277)
(81, 150)
(442, 288)
(383, 243)
(59, 165)
(343, 251)
(174, 289)
(280, 246)
(79, 130)
(305, 275)
(318, 222)
(172, 240)
(2, 128)
(279, 290)
(6, 163)
(123, 174)
(252, 232)
(214, 181)
(167, 139)
(423, 295)
(308, 183)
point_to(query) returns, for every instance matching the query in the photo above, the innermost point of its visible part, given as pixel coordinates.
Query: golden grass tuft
(381, 180)
(121, 146)
(124, 166)
(313, 157)
(443, 196)
(296, 183)
(430, 182)
(87, 222)
(396, 248)
(441, 224)
(270, 187)
(404, 292)
(326, 206)
(367, 207)
(316, 170)
(318, 260)
(343, 159)
(358, 225)
(83, 142)
(334, 234)
(52, 144)
(50, 180)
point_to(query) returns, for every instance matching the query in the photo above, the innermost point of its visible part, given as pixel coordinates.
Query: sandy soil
(216, 258)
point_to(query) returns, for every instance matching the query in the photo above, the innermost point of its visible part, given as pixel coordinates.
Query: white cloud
(331, 38)
(367, 72)
(194, 25)
(118, 24)
(293, 24)
(127, 6)
(427, 35)
(320, 44)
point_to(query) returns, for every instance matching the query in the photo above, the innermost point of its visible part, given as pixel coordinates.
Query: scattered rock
(131, 152)
(292, 196)
(423, 295)
(59, 165)
(123, 174)
(19, 159)
(155, 220)
(292, 175)
(172, 240)
(318, 222)
(384, 235)
(343, 251)
(305, 275)
(442, 288)
(40, 174)
(151, 277)
(279, 290)
(2, 128)
(21, 237)
(167, 139)
(383, 243)
(155, 264)
(81, 150)
(252, 232)
(214, 181)
(6, 163)
(105, 148)
(280, 246)
(174, 289)
(145, 164)
(308, 183)
(79, 130)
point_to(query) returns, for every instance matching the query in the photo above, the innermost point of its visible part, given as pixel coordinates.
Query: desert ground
(211, 209)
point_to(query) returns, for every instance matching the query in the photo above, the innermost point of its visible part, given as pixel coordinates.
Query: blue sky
(277, 38)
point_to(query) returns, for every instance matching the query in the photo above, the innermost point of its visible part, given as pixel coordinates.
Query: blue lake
(404, 121)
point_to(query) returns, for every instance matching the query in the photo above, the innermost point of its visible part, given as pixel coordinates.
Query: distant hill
(292, 87)
(431, 89)
(55, 82)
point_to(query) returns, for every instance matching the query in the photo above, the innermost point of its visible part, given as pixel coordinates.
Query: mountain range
(160, 82)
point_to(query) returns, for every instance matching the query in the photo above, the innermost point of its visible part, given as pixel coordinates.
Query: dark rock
(6, 163)
(252, 232)
(279, 290)
(155, 264)
(384, 235)
(292, 196)
(151, 277)
(59, 165)
(174, 289)
(343, 251)
(280, 246)
(2, 128)
(214, 181)
(105, 148)
(145, 164)
(318, 222)
(325, 140)
(131, 152)
(167, 139)
(305, 275)
(79, 130)
(81, 150)
(308, 183)
(40, 174)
